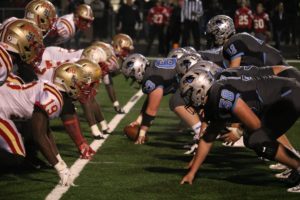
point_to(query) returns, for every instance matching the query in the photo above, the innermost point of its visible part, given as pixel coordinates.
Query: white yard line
(79, 164)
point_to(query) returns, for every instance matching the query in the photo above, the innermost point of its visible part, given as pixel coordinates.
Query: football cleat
(295, 189)
(278, 166)
(98, 137)
(106, 131)
(284, 175)
(119, 110)
(192, 150)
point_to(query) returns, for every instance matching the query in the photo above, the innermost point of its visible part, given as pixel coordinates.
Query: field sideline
(121, 170)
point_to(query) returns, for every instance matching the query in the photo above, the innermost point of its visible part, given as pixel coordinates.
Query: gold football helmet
(106, 47)
(91, 69)
(23, 37)
(122, 44)
(70, 78)
(94, 54)
(83, 16)
(111, 64)
(42, 12)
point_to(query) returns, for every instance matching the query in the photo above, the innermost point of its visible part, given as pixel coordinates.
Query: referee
(191, 12)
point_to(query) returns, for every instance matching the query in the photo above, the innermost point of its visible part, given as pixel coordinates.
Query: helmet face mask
(24, 38)
(220, 28)
(83, 16)
(122, 45)
(92, 76)
(177, 53)
(194, 87)
(186, 62)
(71, 78)
(43, 13)
(134, 67)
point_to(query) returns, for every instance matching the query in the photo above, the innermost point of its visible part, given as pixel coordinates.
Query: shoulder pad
(51, 100)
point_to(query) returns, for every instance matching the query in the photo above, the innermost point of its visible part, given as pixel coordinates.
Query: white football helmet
(190, 49)
(184, 63)
(221, 28)
(134, 67)
(177, 53)
(194, 86)
(208, 66)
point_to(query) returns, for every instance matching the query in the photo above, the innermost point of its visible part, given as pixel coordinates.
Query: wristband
(147, 119)
(139, 119)
(142, 133)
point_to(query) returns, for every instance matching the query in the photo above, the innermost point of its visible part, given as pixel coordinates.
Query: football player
(241, 49)
(66, 26)
(42, 63)
(43, 13)
(265, 115)
(158, 78)
(111, 67)
(90, 106)
(39, 101)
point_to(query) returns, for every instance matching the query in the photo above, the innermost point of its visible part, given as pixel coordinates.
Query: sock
(95, 130)
(196, 128)
(72, 127)
(116, 104)
(103, 125)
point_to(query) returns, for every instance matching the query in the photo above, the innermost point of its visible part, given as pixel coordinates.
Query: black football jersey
(248, 71)
(258, 94)
(252, 51)
(160, 73)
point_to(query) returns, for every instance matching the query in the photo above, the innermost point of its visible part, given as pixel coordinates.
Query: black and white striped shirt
(191, 10)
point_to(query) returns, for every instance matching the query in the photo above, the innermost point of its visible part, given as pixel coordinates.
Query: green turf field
(122, 170)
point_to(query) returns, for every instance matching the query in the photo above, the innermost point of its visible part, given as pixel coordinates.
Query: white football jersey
(64, 30)
(52, 58)
(19, 100)
(5, 64)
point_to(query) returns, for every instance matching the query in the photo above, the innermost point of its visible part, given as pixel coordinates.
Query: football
(131, 132)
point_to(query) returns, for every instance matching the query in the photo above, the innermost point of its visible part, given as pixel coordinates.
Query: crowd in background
(182, 22)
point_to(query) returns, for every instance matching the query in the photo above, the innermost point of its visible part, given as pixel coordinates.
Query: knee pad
(261, 142)
(266, 150)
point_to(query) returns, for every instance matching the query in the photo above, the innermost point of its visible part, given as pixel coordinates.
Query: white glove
(66, 177)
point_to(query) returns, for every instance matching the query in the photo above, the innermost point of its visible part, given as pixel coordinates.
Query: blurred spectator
(157, 18)
(279, 21)
(98, 7)
(243, 18)
(191, 13)
(261, 23)
(127, 18)
(102, 10)
(173, 29)
(291, 9)
(214, 8)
